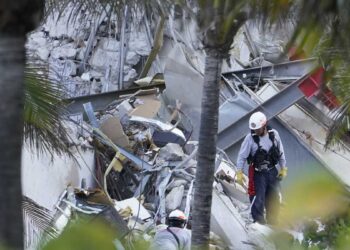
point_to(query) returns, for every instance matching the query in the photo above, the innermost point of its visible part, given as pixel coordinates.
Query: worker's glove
(283, 173)
(239, 177)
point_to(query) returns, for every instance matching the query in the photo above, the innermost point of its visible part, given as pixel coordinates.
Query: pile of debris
(145, 165)
(91, 56)
(143, 159)
(145, 162)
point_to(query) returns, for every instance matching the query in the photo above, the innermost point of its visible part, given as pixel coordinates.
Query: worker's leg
(272, 197)
(259, 201)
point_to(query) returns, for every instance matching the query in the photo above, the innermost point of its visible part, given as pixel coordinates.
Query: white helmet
(257, 120)
(177, 214)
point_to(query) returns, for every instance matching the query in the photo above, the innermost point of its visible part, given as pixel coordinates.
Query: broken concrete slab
(70, 68)
(136, 208)
(177, 183)
(67, 51)
(43, 53)
(228, 224)
(124, 108)
(129, 75)
(139, 43)
(86, 76)
(110, 44)
(171, 152)
(174, 198)
(235, 191)
(102, 58)
(146, 106)
(112, 128)
(132, 58)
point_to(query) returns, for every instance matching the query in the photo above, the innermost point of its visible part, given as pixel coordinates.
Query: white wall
(44, 180)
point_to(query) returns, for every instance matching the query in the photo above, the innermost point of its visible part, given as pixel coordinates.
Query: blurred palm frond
(43, 112)
(38, 222)
(108, 7)
(339, 131)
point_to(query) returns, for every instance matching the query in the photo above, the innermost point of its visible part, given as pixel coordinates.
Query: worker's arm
(244, 152)
(282, 161)
(187, 243)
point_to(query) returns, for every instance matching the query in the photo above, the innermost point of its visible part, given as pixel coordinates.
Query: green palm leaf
(38, 221)
(339, 131)
(38, 216)
(43, 111)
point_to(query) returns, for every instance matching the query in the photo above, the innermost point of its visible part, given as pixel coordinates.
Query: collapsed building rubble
(147, 166)
(146, 163)
(145, 160)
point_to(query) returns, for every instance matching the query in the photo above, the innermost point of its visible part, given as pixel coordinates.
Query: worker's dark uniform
(264, 153)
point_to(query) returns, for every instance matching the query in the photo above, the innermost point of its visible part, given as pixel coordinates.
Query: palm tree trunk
(16, 19)
(12, 61)
(206, 153)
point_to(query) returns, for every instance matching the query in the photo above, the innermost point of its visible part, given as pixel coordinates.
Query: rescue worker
(263, 150)
(175, 236)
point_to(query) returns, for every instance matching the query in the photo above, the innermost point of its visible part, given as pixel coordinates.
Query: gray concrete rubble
(149, 166)
(172, 187)
(145, 159)
(141, 144)
(89, 45)
(145, 167)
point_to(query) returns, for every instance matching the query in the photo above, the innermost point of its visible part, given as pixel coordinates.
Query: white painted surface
(44, 180)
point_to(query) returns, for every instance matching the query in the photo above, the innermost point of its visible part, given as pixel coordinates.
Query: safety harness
(175, 236)
(263, 160)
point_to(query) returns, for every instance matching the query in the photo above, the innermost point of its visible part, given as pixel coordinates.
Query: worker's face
(261, 131)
